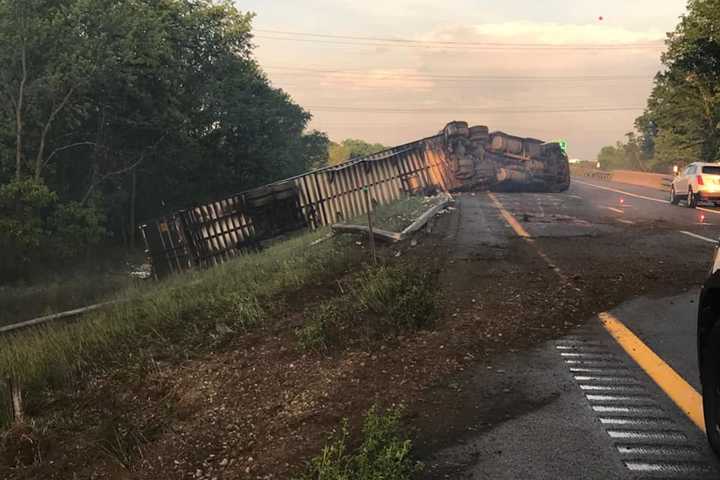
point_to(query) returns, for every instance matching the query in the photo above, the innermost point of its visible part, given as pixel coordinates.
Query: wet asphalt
(591, 412)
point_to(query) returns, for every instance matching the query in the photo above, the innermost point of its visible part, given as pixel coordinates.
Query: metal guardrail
(7, 329)
(645, 179)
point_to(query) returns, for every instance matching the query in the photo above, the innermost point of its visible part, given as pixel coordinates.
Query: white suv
(697, 183)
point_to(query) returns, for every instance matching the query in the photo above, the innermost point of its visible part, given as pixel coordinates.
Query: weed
(380, 302)
(321, 325)
(384, 454)
(398, 298)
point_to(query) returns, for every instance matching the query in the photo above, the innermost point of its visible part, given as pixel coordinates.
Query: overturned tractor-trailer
(477, 159)
(459, 158)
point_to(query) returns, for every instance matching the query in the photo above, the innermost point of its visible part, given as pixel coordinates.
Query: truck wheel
(710, 379)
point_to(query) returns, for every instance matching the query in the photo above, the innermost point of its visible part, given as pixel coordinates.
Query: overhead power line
(433, 110)
(455, 45)
(368, 75)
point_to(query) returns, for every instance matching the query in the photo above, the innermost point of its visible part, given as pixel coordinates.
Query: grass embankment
(339, 301)
(172, 315)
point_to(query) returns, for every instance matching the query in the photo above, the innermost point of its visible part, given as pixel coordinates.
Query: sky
(393, 71)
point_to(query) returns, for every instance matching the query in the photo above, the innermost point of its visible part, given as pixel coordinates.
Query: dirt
(258, 407)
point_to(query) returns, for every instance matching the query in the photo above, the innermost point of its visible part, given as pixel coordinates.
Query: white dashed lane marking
(699, 237)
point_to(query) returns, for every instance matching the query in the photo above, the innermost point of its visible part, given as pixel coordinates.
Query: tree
(352, 148)
(682, 119)
(126, 110)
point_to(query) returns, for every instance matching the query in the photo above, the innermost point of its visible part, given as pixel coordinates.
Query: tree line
(114, 111)
(681, 123)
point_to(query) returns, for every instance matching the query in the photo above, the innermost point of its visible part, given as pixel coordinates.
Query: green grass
(396, 216)
(174, 316)
(384, 453)
(378, 302)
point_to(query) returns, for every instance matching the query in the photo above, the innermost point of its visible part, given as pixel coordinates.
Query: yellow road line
(522, 233)
(679, 391)
(509, 218)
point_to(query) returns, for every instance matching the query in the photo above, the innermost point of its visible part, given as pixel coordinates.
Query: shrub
(75, 227)
(379, 302)
(384, 454)
(23, 205)
(398, 298)
(318, 331)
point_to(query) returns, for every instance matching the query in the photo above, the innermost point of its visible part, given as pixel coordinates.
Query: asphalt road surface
(618, 397)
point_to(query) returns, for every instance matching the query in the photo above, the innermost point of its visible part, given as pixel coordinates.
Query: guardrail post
(368, 204)
(16, 400)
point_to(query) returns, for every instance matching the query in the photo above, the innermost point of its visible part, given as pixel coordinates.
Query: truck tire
(480, 134)
(456, 129)
(710, 380)
(502, 142)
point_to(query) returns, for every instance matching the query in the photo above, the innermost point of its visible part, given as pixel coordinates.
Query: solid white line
(628, 222)
(717, 212)
(616, 210)
(624, 193)
(699, 237)
(707, 210)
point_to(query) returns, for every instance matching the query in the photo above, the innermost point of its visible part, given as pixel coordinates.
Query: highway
(615, 395)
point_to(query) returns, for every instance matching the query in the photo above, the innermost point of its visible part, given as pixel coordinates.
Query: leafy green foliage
(351, 148)
(22, 229)
(627, 155)
(681, 123)
(75, 226)
(682, 119)
(384, 454)
(321, 321)
(136, 108)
